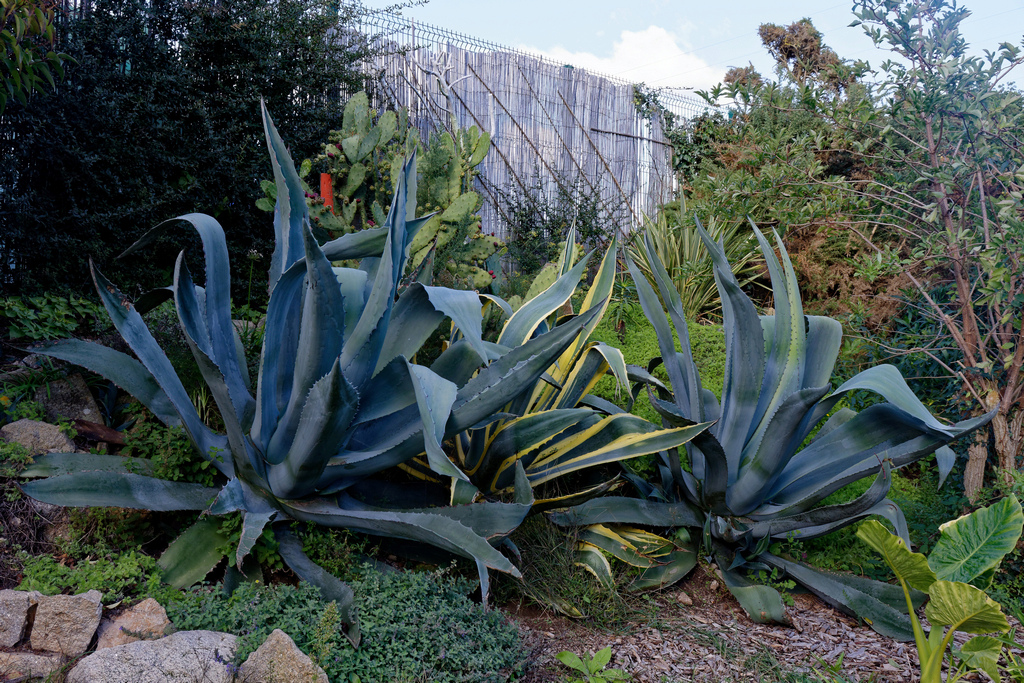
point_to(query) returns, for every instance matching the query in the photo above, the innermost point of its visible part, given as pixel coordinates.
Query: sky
(683, 44)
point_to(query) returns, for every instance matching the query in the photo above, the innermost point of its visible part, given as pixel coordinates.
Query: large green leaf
(963, 607)
(982, 653)
(194, 554)
(118, 489)
(521, 326)
(291, 215)
(909, 567)
(976, 543)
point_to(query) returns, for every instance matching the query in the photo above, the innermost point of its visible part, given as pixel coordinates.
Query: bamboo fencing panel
(550, 124)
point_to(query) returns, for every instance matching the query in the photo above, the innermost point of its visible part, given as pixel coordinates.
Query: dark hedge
(160, 117)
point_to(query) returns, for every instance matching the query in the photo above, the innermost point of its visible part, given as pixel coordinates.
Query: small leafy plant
(955, 576)
(49, 316)
(592, 668)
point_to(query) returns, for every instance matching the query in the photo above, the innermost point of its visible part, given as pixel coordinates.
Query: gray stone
(37, 437)
(145, 621)
(186, 656)
(13, 616)
(66, 623)
(279, 660)
(69, 398)
(15, 666)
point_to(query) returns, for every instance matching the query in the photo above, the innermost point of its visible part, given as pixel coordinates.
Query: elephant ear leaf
(973, 545)
(963, 607)
(982, 653)
(910, 568)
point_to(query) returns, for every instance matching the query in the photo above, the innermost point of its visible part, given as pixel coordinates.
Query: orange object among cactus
(327, 190)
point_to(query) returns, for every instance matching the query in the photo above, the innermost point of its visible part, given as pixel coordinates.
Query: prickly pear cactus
(364, 158)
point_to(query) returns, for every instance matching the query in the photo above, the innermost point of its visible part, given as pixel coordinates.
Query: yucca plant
(556, 427)
(759, 473)
(336, 400)
(688, 263)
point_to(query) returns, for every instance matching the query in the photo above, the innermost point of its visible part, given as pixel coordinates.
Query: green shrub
(128, 576)
(639, 345)
(172, 454)
(50, 316)
(414, 625)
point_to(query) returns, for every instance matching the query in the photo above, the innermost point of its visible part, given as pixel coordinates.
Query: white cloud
(653, 56)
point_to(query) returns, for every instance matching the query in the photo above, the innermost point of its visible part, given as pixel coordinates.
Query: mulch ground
(712, 639)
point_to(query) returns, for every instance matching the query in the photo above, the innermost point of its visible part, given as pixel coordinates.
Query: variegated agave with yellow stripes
(760, 472)
(556, 428)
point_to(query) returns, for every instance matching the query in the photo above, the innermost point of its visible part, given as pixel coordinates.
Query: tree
(951, 156)
(26, 33)
(159, 118)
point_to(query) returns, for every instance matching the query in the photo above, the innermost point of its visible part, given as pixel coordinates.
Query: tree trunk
(974, 473)
(1008, 442)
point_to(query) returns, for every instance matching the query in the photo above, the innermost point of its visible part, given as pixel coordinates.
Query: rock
(37, 437)
(279, 660)
(684, 599)
(66, 623)
(145, 621)
(13, 617)
(69, 398)
(15, 666)
(714, 586)
(183, 656)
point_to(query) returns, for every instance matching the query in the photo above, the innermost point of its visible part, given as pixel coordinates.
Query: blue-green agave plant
(759, 473)
(336, 402)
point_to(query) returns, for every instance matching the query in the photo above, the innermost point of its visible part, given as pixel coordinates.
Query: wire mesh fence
(552, 125)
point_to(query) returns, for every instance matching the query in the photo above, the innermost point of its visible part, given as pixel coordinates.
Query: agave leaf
(585, 372)
(615, 510)
(963, 607)
(366, 243)
(982, 653)
(135, 332)
(910, 568)
(506, 377)
(612, 542)
(521, 326)
(330, 587)
(670, 569)
(614, 438)
(194, 554)
(688, 394)
(428, 527)
(435, 396)
(253, 524)
(291, 216)
(319, 344)
(197, 334)
(119, 489)
(763, 604)
(120, 368)
(782, 436)
(881, 605)
(590, 557)
(324, 421)
(976, 543)
(517, 438)
(744, 361)
(56, 464)
(854, 448)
